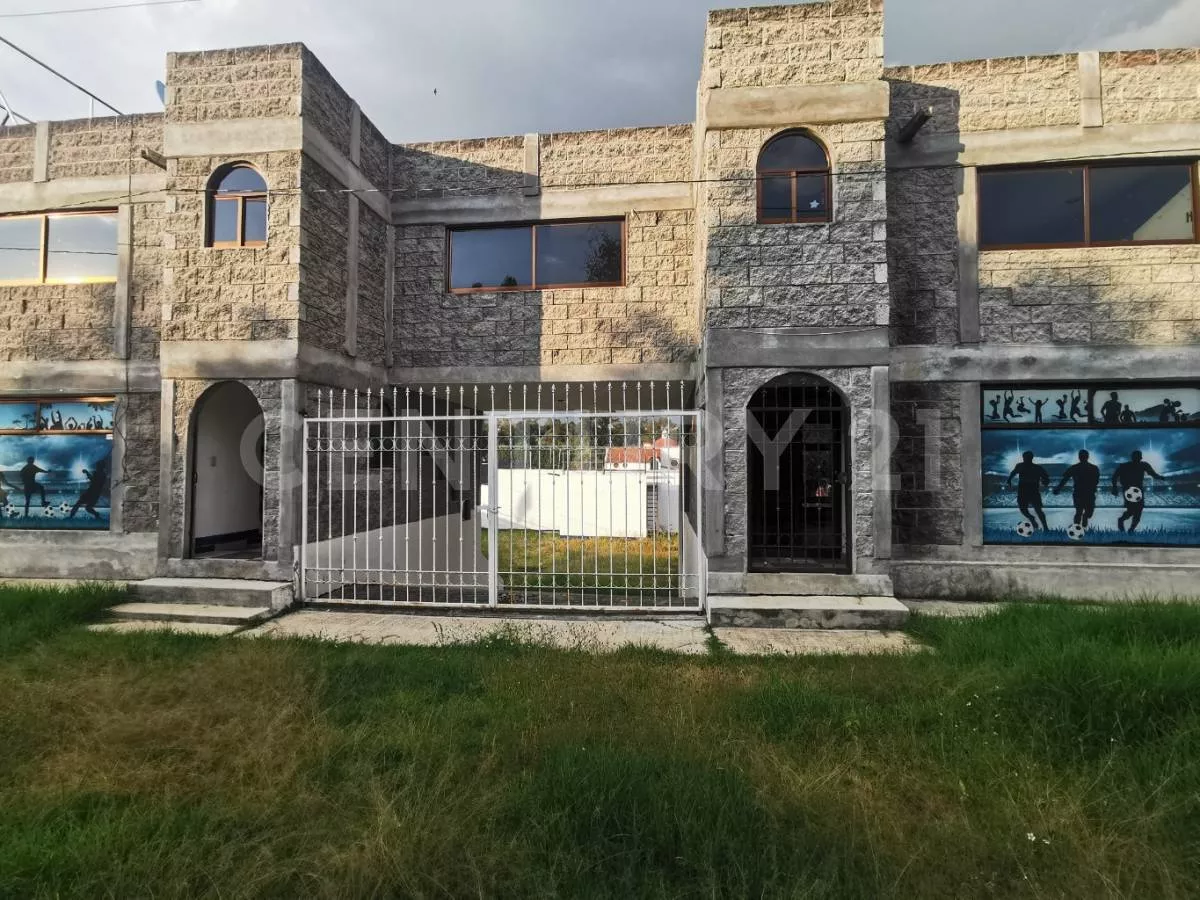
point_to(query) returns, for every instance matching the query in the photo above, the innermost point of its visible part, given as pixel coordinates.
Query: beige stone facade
(892, 301)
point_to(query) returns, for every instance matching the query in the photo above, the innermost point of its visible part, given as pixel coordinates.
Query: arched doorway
(226, 501)
(797, 477)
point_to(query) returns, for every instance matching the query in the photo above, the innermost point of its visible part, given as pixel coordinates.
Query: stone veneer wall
(243, 83)
(459, 168)
(927, 482)
(1150, 86)
(922, 211)
(854, 384)
(372, 286)
(648, 320)
(87, 148)
(139, 476)
(616, 157)
(16, 153)
(324, 218)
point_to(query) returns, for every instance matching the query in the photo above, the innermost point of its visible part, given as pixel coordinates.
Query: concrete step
(799, 584)
(142, 625)
(214, 592)
(808, 612)
(199, 613)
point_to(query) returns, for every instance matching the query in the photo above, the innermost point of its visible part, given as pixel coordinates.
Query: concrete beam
(789, 347)
(123, 294)
(810, 104)
(284, 359)
(351, 312)
(881, 466)
(533, 374)
(968, 255)
(1043, 362)
(232, 137)
(100, 376)
(1030, 145)
(533, 165)
(41, 151)
(1091, 90)
(564, 204)
(321, 150)
(61, 193)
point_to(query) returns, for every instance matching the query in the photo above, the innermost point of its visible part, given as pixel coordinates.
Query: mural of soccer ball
(1134, 495)
(1076, 532)
(49, 512)
(64, 507)
(1025, 529)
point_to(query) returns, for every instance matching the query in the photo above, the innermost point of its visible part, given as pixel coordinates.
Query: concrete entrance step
(217, 592)
(808, 612)
(198, 613)
(140, 625)
(799, 584)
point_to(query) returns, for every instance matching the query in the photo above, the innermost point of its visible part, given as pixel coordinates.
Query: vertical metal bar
(420, 456)
(304, 510)
(396, 521)
(493, 460)
(406, 461)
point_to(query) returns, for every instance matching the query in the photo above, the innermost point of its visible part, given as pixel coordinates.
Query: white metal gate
(416, 497)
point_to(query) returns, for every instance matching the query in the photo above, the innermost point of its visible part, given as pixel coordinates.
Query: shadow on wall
(922, 211)
(647, 317)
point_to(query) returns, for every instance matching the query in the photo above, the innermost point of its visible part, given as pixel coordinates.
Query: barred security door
(539, 507)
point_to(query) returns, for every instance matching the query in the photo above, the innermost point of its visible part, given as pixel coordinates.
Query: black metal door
(797, 478)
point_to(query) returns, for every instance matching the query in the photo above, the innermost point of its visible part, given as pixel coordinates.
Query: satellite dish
(161, 90)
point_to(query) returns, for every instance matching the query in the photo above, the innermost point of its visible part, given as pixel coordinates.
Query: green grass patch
(1048, 751)
(531, 560)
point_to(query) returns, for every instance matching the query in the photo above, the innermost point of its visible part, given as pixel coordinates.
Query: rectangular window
(58, 248)
(1087, 205)
(538, 256)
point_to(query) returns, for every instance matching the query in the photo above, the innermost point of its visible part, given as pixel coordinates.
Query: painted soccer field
(1171, 526)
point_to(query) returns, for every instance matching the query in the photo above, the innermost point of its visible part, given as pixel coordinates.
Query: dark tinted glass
(224, 223)
(255, 227)
(792, 151)
(1031, 206)
(491, 257)
(580, 254)
(20, 249)
(1142, 203)
(81, 248)
(811, 199)
(242, 180)
(777, 197)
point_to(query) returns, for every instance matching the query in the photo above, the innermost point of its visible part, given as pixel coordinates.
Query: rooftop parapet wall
(88, 148)
(477, 167)
(16, 153)
(244, 83)
(619, 156)
(1148, 86)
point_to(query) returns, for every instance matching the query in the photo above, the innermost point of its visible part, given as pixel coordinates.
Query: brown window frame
(534, 286)
(43, 258)
(239, 198)
(1087, 167)
(793, 175)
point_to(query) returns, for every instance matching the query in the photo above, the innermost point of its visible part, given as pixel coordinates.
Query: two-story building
(929, 329)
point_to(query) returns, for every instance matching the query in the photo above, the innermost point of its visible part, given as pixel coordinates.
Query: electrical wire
(55, 72)
(88, 9)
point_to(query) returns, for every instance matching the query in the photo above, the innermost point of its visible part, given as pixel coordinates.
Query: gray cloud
(511, 66)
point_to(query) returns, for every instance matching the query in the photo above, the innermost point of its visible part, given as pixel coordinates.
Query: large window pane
(580, 254)
(491, 258)
(777, 198)
(1020, 207)
(225, 222)
(1141, 203)
(81, 248)
(20, 249)
(812, 201)
(243, 180)
(255, 228)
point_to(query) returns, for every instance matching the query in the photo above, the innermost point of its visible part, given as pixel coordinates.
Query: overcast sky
(513, 66)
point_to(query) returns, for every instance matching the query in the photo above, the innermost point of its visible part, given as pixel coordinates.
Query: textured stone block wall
(324, 218)
(84, 148)
(819, 275)
(739, 386)
(56, 322)
(459, 168)
(375, 155)
(927, 498)
(620, 156)
(244, 83)
(1103, 295)
(139, 473)
(651, 319)
(238, 293)
(806, 43)
(922, 218)
(372, 286)
(16, 153)
(325, 105)
(1150, 86)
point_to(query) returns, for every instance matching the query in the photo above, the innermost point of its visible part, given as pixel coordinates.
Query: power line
(54, 71)
(87, 9)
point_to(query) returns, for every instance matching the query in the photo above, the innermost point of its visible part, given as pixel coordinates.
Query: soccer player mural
(1112, 466)
(56, 464)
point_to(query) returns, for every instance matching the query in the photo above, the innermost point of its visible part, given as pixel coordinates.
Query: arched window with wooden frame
(795, 182)
(237, 207)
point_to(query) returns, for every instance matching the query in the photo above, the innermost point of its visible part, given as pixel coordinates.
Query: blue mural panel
(1125, 473)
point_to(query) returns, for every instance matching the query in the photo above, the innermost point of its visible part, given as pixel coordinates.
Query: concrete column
(124, 289)
(291, 449)
(389, 299)
(352, 277)
(713, 464)
(41, 151)
(970, 406)
(968, 255)
(881, 460)
(116, 515)
(166, 467)
(1091, 91)
(533, 165)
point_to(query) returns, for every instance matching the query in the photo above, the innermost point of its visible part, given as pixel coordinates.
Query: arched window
(237, 207)
(793, 180)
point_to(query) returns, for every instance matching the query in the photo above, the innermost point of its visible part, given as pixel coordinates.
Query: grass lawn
(546, 559)
(1051, 751)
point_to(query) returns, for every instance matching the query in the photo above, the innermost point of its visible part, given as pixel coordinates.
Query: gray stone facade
(892, 302)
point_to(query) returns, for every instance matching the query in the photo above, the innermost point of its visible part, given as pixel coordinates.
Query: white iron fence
(417, 497)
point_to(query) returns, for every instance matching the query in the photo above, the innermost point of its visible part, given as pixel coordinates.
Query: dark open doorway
(226, 468)
(797, 477)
